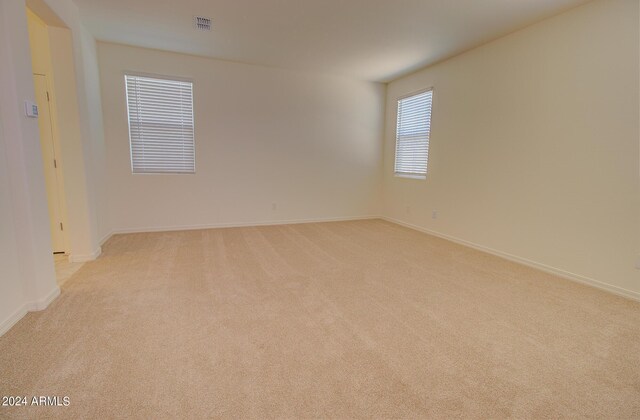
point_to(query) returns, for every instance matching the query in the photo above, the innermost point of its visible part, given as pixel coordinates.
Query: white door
(51, 163)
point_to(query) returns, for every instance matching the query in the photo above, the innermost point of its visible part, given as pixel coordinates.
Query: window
(412, 135)
(160, 125)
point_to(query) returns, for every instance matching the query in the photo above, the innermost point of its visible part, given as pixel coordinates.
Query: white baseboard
(13, 318)
(74, 258)
(542, 267)
(40, 304)
(105, 238)
(236, 224)
(36, 305)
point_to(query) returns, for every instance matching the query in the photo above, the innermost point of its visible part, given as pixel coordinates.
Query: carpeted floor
(330, 320)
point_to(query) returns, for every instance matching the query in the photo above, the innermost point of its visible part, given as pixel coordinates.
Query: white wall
(534, 147)
(27, 279)
(309, 143)
(13, 293)
(95, 131)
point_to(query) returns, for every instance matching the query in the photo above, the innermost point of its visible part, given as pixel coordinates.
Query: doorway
(54, 81)
(51, 163)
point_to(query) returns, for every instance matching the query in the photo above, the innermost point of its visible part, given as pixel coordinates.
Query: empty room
(298, 209)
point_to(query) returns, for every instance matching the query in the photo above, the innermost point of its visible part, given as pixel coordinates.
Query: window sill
(410, 176)
(163, 173)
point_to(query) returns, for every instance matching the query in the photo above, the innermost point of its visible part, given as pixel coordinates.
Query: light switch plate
(31, 109)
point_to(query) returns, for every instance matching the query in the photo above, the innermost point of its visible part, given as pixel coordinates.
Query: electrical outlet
(434, 214)
(408, 209)
(274, 206)
(638, 262)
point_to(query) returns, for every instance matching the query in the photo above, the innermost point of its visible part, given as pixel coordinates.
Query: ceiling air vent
(202, 23)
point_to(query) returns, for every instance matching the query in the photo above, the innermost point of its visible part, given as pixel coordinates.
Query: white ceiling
(375, 40)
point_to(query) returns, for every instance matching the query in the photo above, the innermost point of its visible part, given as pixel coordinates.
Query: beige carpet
(330, 320)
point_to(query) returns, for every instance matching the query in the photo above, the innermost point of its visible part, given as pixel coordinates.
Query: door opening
(51, 163)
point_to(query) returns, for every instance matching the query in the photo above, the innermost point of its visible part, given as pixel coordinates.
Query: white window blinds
(160, 125)
(412, 135)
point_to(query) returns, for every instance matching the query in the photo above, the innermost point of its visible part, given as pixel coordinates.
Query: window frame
(407, 175)
(190, 80)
